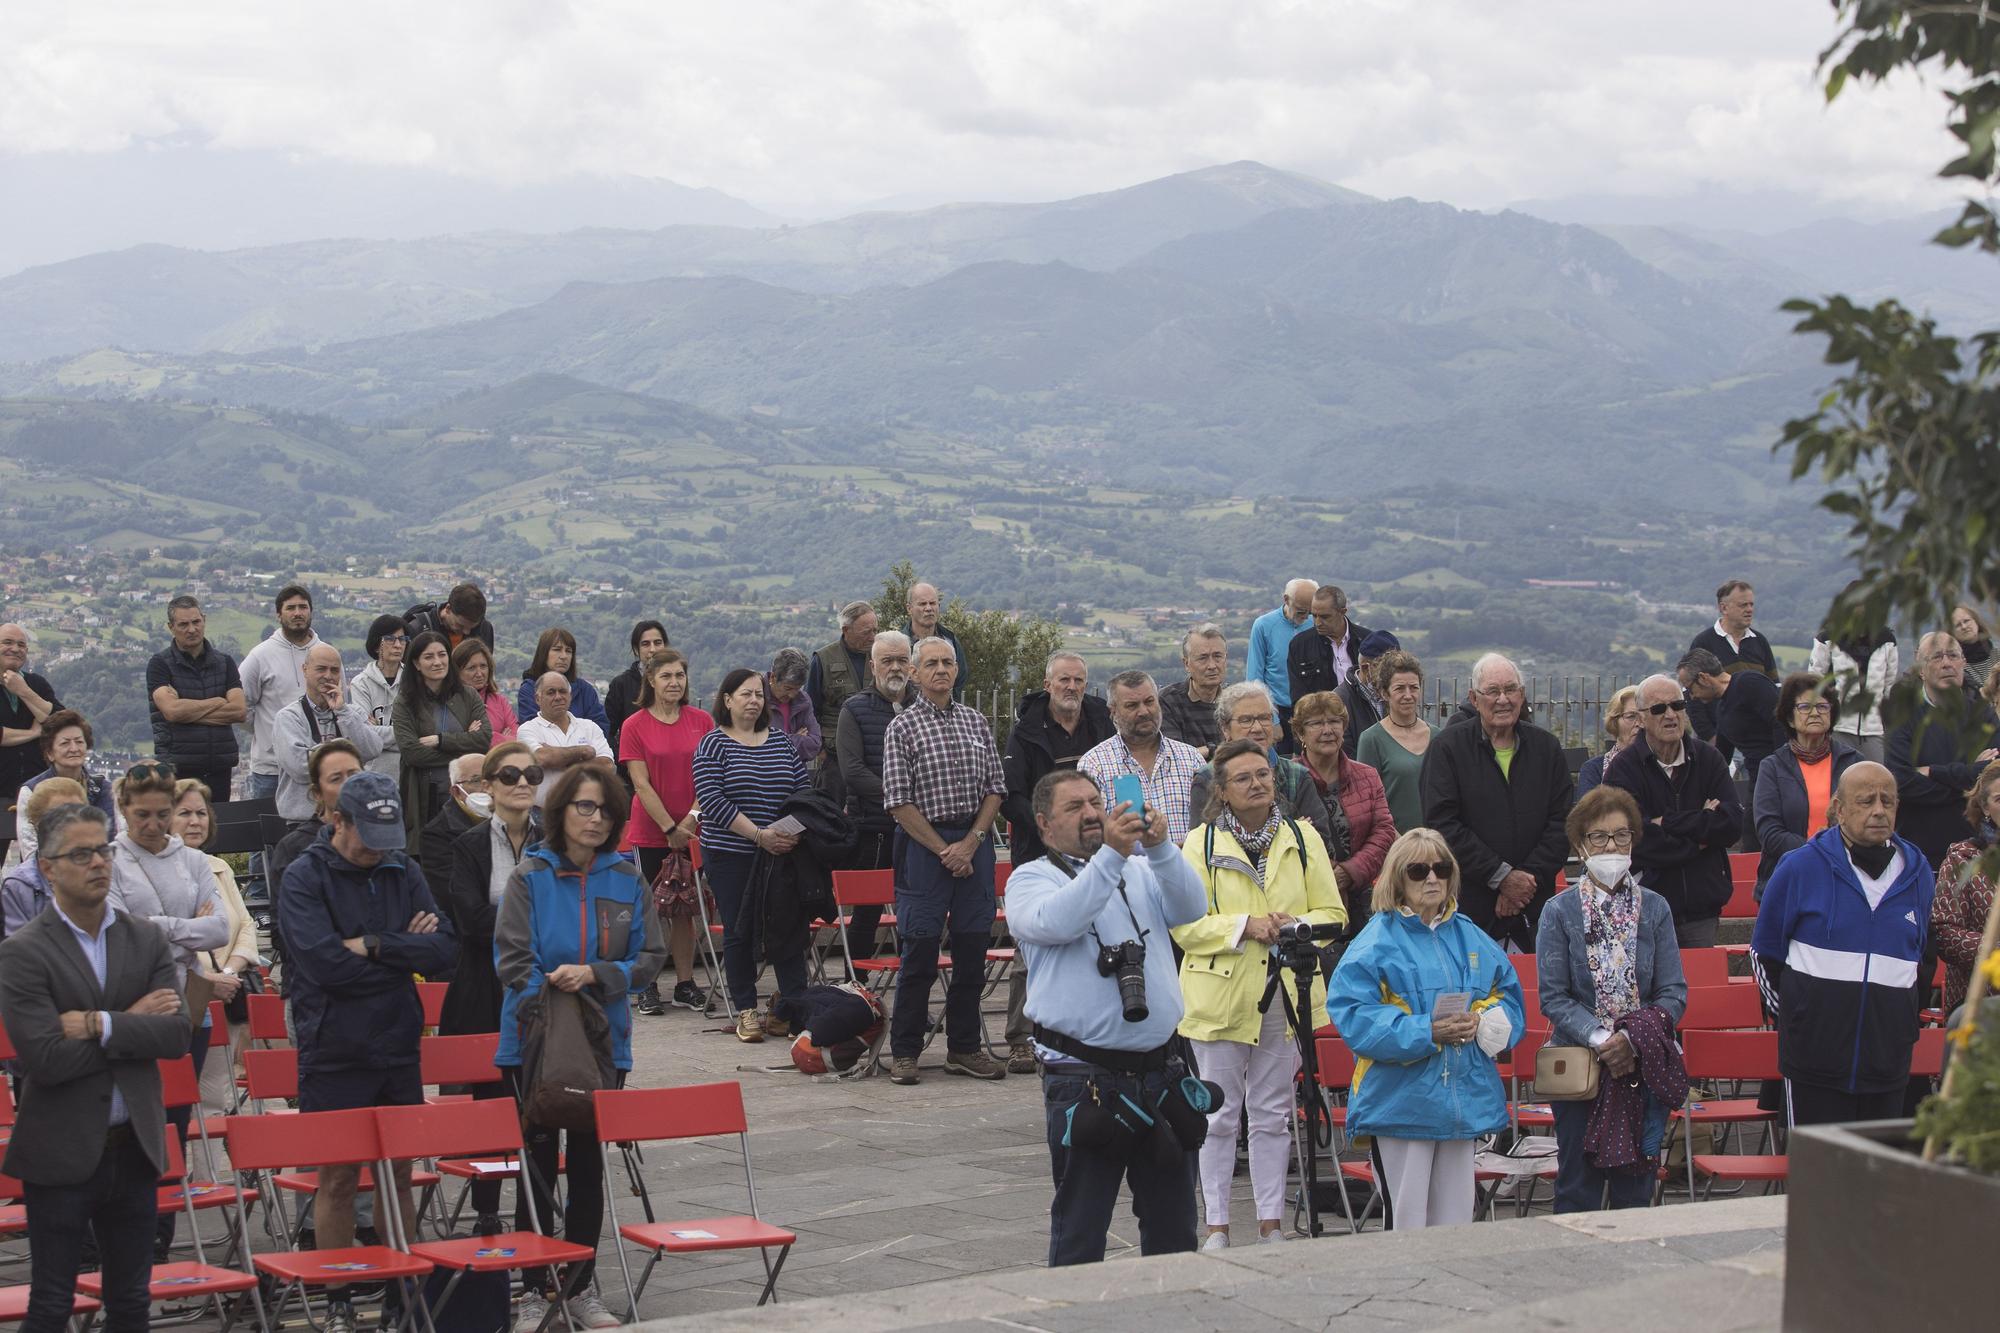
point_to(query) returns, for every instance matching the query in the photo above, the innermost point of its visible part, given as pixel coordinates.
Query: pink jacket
(505, 726)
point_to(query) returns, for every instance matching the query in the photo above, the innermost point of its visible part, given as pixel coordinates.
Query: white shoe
(588, 1311)
(1217, 1241)
(1272, 1237)
(529, 1312)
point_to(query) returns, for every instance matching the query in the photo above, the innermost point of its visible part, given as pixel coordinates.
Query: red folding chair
(274, 1075)
(277, 1144)
(1527, 969)
(267, 1019)
(199, 1279)
(634, 1115)
(1742, 904)
(1705, 967)
(271, 1075)
(464, 1061)
(1719, 1057)
(491, 1127)
(14, 1300)
(1927, 1056)
(865, 888)
(430, 994)
(1722, 1008)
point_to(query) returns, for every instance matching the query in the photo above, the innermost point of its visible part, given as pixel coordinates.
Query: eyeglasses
(1499, 692)
(146, 772)
(1598, 840)
(1261, 778)
(394, 638)
(1817, 706)
(83, 856)
(509, 775)
(1419, 871)
(1255, 719)
(1660, 710)
(590, 809)
(1629, 715)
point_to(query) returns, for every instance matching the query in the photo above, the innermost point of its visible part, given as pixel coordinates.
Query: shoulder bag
(1566, 1074)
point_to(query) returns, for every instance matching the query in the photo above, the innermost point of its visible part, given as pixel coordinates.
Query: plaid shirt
(1188, 720)
(941, 760)
(1167, 787)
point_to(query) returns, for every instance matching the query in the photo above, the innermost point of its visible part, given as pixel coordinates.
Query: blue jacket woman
(551, 914)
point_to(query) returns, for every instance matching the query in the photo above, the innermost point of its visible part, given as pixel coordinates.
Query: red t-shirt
(668, 754)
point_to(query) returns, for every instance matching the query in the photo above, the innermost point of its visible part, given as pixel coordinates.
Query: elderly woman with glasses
(1262, 871)
(66, 742)
(791, 709)
(1320, 721)
(1605, 951)
(574, 915)
(1245, 712)
(1426, 1001)
(1795, 784)
(1621, 726)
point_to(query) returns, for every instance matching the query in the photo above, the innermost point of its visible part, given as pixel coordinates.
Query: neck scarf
(1611, 945)
(1871, 861)
(1807, 753)
(1257, 844)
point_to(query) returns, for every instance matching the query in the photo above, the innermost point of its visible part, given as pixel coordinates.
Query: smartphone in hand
(1128, 790)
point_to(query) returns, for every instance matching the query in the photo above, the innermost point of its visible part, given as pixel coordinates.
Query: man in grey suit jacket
(90, 1004)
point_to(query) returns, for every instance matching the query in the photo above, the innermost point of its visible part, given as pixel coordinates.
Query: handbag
(237, 1008)
(678, 892)
(1566, 1074)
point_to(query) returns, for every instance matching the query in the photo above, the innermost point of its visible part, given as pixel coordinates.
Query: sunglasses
(1677, 705)
(144, 772)
(508, 775)
(1419, 871)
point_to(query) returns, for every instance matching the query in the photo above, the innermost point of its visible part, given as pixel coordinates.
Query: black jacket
(423, 619)
(1779, 805)
(472, 1001)
(1309, 660)
(1030, 757)
(1488, 818)
(1756, 656)
(621, 700)
(444, 829)
(1746, 720)
(1361, 713)
(785, 893)
(854, 777)
(1932, 812)
(1685, 857)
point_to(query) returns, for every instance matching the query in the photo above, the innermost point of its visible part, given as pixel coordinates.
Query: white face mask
(1609, 868)
(479, 804)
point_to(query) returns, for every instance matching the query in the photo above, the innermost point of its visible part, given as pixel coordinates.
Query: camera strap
(1139, 932)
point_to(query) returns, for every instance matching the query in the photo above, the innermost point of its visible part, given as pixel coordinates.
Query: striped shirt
(941, 760)
(731, 779)
(1168, 787)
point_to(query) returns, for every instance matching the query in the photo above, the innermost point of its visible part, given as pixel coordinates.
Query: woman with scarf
(1874, 658)
(1958, 912)
(1320, 722)
(1972, 636)
(1426, 1001)
(1605, 951)
(1261, 870)
(1795, 784)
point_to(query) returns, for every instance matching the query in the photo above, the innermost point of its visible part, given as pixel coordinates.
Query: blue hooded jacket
(553, 914)
(351, 1012)
(1405, 1085)
(1849, 976)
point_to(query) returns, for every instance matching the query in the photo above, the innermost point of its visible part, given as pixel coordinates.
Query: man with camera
(1092, 918)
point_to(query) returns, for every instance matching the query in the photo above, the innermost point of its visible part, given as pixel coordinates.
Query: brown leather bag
(1566, 1074)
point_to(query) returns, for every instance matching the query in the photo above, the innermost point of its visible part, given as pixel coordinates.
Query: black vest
(873, 714)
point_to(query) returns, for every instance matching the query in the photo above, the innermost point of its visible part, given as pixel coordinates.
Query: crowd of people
(1164, 844)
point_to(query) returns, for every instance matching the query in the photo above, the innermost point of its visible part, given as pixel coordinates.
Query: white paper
(695, 1234)
(789, 824)
(492, 1168)
(1451, 1004)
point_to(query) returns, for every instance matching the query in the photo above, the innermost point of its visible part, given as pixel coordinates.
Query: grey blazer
(1569, 999)
(65, 1103)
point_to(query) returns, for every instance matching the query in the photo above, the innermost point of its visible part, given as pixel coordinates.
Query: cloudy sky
(809, 107)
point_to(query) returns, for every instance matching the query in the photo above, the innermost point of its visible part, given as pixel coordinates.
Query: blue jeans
(1579, 1185)
(1087, 1182)
(119, 1203)
(729, 875)
(929, 901)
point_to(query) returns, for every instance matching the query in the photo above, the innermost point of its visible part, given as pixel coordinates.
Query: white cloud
(818, 104)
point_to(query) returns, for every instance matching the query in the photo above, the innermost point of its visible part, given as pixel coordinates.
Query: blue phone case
(1128, 790)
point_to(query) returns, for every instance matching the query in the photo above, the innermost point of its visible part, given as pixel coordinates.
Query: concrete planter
(1876, 1238)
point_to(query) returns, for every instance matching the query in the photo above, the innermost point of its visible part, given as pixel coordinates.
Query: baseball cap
(376, 807)
(1380, 642)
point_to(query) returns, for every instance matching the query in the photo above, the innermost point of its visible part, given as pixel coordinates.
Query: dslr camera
(1127, 962)
(1296, 939)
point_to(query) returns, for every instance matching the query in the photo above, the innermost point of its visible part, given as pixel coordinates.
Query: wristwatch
(372, 944)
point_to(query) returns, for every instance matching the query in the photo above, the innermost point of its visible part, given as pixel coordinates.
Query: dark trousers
(179, 1117)
(931, 901)
(1579, 1185)
(729, 875)
(583, 1214)
(1087, 1182)
(118, 1203)
(1813, 1105)
(215, 777)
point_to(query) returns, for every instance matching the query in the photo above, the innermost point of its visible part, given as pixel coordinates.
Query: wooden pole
(1974, 993)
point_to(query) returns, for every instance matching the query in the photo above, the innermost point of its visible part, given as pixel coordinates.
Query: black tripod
(1301, 958)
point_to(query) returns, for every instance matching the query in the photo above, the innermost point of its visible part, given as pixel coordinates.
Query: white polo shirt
(538, 731)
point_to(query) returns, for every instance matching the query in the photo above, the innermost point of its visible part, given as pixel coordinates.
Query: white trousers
(1429, 1183)
(1258, 1077)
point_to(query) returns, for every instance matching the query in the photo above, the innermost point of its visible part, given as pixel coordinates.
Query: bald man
(925, 607)
(560, 738)
(25, 699)
(1271, 636)
(1839, 948)
(322, 713)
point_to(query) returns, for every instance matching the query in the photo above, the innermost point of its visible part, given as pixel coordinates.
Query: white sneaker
(1272, 1237)
(1217, 1241)
(588, 1311)
(529, 1312)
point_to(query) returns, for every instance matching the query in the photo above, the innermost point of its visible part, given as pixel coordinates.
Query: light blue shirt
(1271, 636)
(1052, 917)
(96, 949)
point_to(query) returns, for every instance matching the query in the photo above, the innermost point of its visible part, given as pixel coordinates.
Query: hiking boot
(488, 1224)
(903, 1070)
(1021, 1058)
(650, 1003)
(588, 1311)
(687, 995)
(974, 1064)
(529, 1312)
(749, 1025)
(775, 1026)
